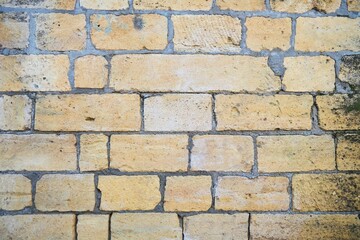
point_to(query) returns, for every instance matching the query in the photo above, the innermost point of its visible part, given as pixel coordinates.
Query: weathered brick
(327, 34)
(39, 227)
(129, 192)
(49, 4)
(189, 193)
(251, 112)
(216, 226)
(222, 153)
(129, 32)
(93, 152)
(60, 32)
(301, 226)
(309, 74)
(34, 73)
(350, 71)
(14, 28)
(93, 227)
(295, 6)
(179, 5)
(175, 112)
(150, 226)
(91, 72)
(15, 192)
(348, 152)
(15, 112)
(339, 112)
(259, 194)
(192, 73)
(295, 153)
(104, 5)
(40, 152)
(326, 192)
(107, 112)
(206, 33)
(60, 192)
(149, 153)
(268, 33)
(241, 5)
(353, 5)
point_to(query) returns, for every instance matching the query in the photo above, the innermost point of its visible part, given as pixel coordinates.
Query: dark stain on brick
(138, 22)
(26, 2)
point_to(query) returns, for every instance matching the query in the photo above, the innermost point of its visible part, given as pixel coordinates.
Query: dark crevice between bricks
(34, 178)
(214, 182)
(276, 64)
(32, 96)
(108, 148)
(170, 35)
(315, 127)
(76, 226)
(181, 225)
(78, 151)
(189, 148)
(97, 194)
(108, 67)
(142, 110)
(249, 227)
(336, 141)
(291, 194)
(160, 206)
(213, 110)
(109, 226)
(255, 167)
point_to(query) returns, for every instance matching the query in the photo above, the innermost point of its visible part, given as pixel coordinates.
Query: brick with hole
(91, 72)
(15, 112)
(179, 5)
(15, 192)
(14, 28)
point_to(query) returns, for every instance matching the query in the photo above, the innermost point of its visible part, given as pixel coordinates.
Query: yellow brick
(301, 226)
(350, 71)
(250, 112)
(222, 153)
(267, 34)
(326, 192)
(60, 192)
(216, 226)
(327, 34)
(241, 5)
(192, 73)
(175, 112)
(39, 227)
(295, 153)
(93, 152)
(15, 112)
(149, 153)
(15, 192)
(353, 5)
(93, 227)
(108, 112)
(348, 152)
(189, 193)
(149, 226)
(14, 28)
(91, 72)
(296, 6)
(49, 4)
(129, 32)
(34, 73)
(309, 74)
(259, 194)
(178, 5)
(339, 112)
(129, 192)
(105, 5)
(206, 33)
(40, 152)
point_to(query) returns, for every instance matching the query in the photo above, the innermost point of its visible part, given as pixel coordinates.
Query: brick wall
(202, 119)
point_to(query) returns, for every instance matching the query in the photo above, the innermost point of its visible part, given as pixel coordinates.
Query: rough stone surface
(210, 33)
(189, 193)
(129, 32)
(105, 112)
(129, 192)
(259, 194)
(216, 226)
(105, 5)
(222, 153)
(268, 33)
(49, 4)
(37, 152)
(348, 152)
(350, 71)
(60, 192)
(326, 192)
(60, 32)
(353, 5)
(309, 74)
(34, 73)
(150, 226)
(15, 112)
(93, 152)
(251, 112)
(241, 5)
(15, 192)
(14, 28)
(295, 153)
(174, 112)
(178, 5)
(149, 153)
(93, 227)
(296, 6)
(300, 226)
(91, 72)
(192, 73)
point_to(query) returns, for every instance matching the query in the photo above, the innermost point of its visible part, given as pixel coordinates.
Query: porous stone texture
(241, 5)
(211, 33)
(92, 227)
(151, 153)
(14, 28)
(105, 5)
(350, 71)
(15, 112)
(93, 152)
(348, 152)
(15, 192)
(295, 6)
(47, 4)
(178, 5)
(91, 72)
